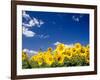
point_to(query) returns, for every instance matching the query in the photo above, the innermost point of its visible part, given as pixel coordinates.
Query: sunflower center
(59, 58)
(68, 53)
(50, 59)
(83, 51)
(74, 50)
(77, 46)
(87, 51)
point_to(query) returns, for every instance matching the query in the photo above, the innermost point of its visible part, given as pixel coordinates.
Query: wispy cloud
(43, 36)
(28, 33)
(37, 22)
(33, 23)
(77, 18)
(30, 24)
(67, 45)
(25, 15)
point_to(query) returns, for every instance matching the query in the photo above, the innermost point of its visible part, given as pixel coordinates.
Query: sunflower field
(61, 56)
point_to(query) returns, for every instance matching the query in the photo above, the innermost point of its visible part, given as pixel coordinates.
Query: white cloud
(30, 24)
(37, 22)
(28, 33)
(41, 22)
(25, 50)
(25, 15)
(56, 43)
(30, 52)
(67, 45)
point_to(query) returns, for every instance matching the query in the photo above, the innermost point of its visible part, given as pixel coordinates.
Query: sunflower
(38, 59)
(83, 52)
(40, 62)
(87, 55)
(33, 58)
(67, 49)
(87, 60)
(87, 51)
(49, 49)
(59, 58)
(73, 51)
(48, 59)
(47, 53)
(78, 46)
(40, 54)
(76, 52)
(68, 53)
(24, 56)
(60, 48)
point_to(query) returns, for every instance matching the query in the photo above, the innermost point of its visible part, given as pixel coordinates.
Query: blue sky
(44, 29)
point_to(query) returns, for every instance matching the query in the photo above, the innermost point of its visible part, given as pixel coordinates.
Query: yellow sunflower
(83, 52)
(24, 56)
(68, 53)
(47, 53)
(40, 62)
(40, 54)
(87, 52)
(73, 51)
(60, 48)
(48, 59)
(59, 58)
(78, 46)
(33, 58)
(87, 60)
(87, 55)
(49, 49)
(38, 59)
